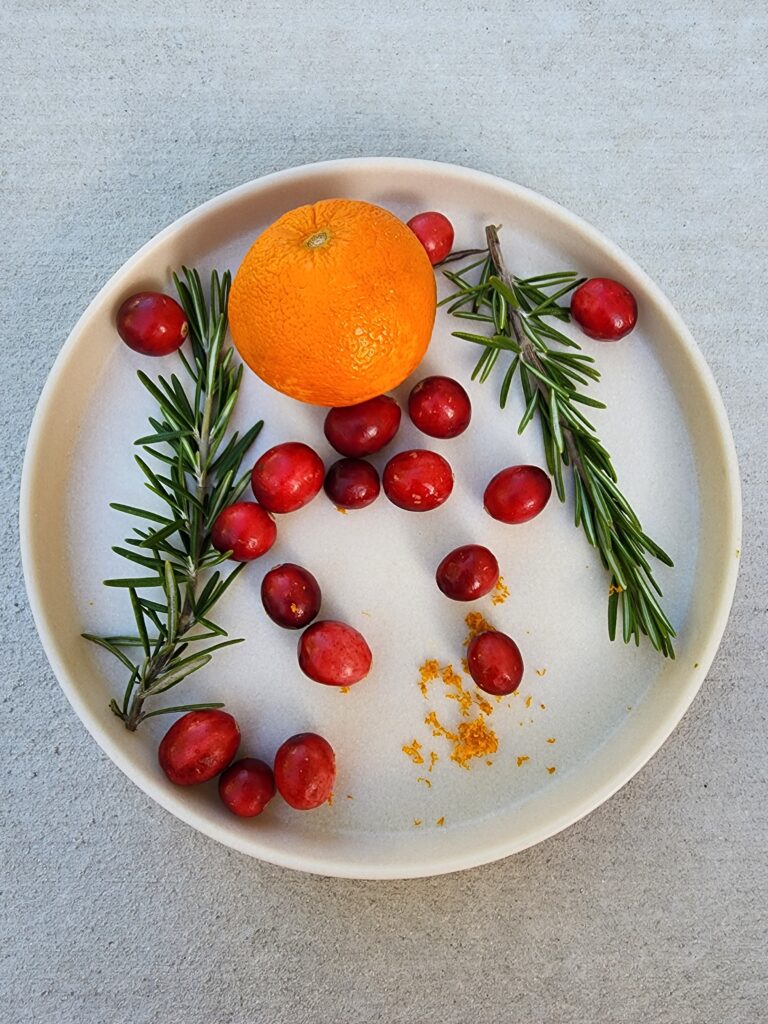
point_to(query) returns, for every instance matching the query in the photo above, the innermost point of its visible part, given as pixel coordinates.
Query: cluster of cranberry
(290, 475)
(202, 744)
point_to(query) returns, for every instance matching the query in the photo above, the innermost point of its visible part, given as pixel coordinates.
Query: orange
(334, 303)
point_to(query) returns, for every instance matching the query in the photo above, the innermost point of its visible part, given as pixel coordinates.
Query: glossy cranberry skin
(291, 596)
(417, 480)
(435, 232)
(352, 483)
(245, 529)
(305, 771)
(287, 477)
(247, 786)
(334, 654)
(517, 494)
(467, 573)
(495, 663)
(152, 323)
(440, 407)
(362, 429)
(604, 309)
(198, 746)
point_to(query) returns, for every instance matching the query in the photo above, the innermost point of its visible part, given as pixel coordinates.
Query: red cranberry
(417, 480)
(245, 529)
(290, 595)
(305, 771)
(198, 746)
(517, 494)
(287, 477)
(334, 653)
(604, 309)
(440, 407)
(468, 573)
(247, 786)
(152, 323)
(359, 430)
(495, 663)
(352, 483)
(435, 232)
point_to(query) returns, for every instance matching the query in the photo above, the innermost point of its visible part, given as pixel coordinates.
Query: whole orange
(334, 303)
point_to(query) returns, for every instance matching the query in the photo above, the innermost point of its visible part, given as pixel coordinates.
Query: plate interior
(606, 706)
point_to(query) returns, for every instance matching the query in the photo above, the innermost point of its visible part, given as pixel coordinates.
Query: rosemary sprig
(518, 313)
(195, 474)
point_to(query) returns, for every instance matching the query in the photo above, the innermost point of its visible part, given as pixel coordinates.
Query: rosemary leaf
(181, 707)
(168, 679)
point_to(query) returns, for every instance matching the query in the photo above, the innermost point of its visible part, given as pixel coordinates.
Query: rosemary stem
(550, 382)
(186, 618)
(157, 664)
(528, 351)
(196, 488)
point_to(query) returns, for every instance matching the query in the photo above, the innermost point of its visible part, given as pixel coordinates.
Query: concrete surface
(652, 124)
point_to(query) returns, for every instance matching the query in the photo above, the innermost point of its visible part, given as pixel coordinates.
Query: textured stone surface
(117, 118)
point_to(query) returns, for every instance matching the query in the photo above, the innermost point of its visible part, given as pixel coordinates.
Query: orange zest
(476, 624)
(427, 672)
(437, 728)
(412, 750)
(475, 739)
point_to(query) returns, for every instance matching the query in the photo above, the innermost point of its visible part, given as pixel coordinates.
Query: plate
(607, 707)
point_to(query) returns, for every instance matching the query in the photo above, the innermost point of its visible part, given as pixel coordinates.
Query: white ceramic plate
(607, 706)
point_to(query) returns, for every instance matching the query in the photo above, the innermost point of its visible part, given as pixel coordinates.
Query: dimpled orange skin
(334, 303)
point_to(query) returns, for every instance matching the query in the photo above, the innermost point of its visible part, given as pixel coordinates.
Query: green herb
(196, 474)
(518, 313)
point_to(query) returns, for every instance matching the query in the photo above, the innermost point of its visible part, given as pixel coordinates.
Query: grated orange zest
(412, 751)
(427, 672)
(475, 739)
(476, 623)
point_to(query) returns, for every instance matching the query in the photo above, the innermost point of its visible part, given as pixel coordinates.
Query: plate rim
(577, 809)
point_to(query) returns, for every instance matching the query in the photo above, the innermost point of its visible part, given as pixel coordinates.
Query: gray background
(652, 124)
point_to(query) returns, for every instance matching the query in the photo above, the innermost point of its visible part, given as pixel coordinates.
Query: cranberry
(290, 595)
(245, 529)
(198, 746)
(334, 653)
(247, 786)
(418, 480)
(467, 573)
(359, 430)
(352, 483)
(305, 771)
(287, 477)
(604, 309)
(495, 663)
(152, 323)
(435, 232)
(517, 494)
(440, 407)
